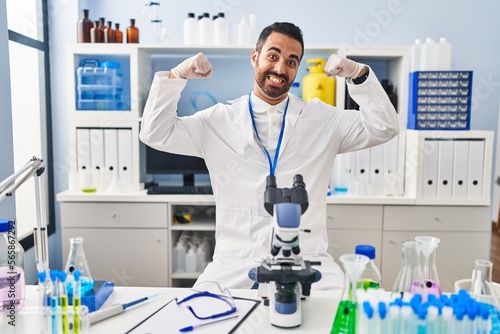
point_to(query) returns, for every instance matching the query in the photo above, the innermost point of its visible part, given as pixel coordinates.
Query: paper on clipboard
(172, 317)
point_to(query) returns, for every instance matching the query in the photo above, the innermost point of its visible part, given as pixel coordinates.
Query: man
(268, 132)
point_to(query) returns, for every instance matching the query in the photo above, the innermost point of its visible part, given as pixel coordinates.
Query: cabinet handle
(158, 240)
(437, 219)
(113, 215)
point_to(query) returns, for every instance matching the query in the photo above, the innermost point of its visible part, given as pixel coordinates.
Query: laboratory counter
(318, 310)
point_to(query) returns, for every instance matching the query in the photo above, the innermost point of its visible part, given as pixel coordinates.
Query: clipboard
(171, 317)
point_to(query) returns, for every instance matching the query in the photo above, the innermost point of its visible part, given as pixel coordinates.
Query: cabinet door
(455, 255)
(127, 257)
(342, 241)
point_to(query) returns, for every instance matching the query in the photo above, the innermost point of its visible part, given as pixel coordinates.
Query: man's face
(275, 67)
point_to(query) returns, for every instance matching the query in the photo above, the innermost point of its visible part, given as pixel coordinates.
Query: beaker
(410, 279)
(481, 285)
(428, 245)
(345, 319)
(78, 261)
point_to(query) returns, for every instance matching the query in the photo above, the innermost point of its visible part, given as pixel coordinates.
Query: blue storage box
(99, 86)
(440, 100)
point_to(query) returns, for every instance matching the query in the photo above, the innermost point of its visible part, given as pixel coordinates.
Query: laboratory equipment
(284, 277)
(410, 279)
(444, 54)
(109, 33)
(371, 277)
(132, 32)
(118, 34)
(345, 319)
(205, 30)
(316, 84)
(428, 245)
(221, 30)
(116, 309)
(295, 89)
(190, 30)
(179, 257)
(12, 279)
(83, 26)
(481, 284)
(78, 261)
(193, 327)
(97, 32)
(429, 59)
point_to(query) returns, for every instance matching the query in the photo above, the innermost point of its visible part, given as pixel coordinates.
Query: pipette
(116, 309)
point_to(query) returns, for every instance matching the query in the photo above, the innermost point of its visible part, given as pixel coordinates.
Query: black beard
(271, 91)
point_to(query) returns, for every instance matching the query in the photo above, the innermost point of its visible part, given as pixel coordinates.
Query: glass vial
(97, 32)
(481, 284)
(109, 33)
(371, 277)
(83, 27)
(132, 32)
(12, 279)
(78, 261)
(410, 279)
(118, 34)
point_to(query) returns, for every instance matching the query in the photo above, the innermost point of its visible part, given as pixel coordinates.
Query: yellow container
(316, 84)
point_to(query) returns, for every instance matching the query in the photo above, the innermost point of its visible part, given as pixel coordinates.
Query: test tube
(77, 290)
(63, 298)
(42, 288)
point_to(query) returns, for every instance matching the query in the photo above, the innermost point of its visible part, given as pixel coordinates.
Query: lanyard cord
(272, 166)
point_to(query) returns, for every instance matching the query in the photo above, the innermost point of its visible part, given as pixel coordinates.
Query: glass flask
(83, 27)
(410, 279)
(428, 245)
(371, 277)
(481, 283)
(12, 277)
(78, 261)
(132, 32)
(345, 319)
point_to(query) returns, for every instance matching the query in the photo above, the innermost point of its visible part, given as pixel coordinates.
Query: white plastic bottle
(200, 258)
(444, 54)
(205, 30)
(416, 54)
(179, 257)
(252, 28)
(191, 265)
(190, 30)
(430, 55)
(221, 30)
(243, 33)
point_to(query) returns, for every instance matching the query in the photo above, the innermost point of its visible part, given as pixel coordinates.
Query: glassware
(428, 245)
(481, 284)
(132, 32)
(12, 279)
(78, 261)
(109, 33)
(83, 27)
(118, 34)
(371, 277)
(345, 319)
(97, 32)
(410, 279)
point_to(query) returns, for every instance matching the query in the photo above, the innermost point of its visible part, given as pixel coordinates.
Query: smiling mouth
(276, 80)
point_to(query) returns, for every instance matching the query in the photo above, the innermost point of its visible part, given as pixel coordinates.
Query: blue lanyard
(272, 166)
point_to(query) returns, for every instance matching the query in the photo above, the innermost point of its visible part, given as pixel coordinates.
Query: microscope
(284, 277)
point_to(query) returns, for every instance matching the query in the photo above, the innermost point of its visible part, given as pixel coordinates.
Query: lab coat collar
(261, 106)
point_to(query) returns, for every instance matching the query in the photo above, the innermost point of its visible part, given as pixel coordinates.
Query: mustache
(282, 76)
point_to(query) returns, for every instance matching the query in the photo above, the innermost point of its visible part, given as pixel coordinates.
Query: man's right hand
(196, 67)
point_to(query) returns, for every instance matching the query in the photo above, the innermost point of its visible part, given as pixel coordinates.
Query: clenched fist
(196, 67)
(342, 67)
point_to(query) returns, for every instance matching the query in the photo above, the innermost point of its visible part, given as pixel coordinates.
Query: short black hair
(285, 28)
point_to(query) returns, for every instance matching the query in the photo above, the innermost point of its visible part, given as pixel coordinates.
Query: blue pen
(190, 328)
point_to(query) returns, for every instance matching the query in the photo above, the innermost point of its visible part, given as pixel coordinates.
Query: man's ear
(254, 56)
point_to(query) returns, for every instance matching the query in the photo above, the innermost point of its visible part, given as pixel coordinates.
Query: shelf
(194, 226)
(185, 275)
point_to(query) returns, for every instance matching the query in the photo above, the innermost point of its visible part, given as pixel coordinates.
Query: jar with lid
(371, 277)
(83, 27)
(12, 278)
(132, 32)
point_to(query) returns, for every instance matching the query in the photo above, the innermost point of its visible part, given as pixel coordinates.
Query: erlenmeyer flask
(428, 245)
(345, 319)
(410, 279)
(78, 261)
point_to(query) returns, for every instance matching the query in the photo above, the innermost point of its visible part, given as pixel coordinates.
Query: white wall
(324, 22)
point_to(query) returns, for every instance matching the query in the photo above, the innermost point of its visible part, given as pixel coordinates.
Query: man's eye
(271, 56)
(292, 63)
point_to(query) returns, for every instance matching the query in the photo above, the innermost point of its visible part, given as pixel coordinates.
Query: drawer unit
(115, 215)
(354, 216)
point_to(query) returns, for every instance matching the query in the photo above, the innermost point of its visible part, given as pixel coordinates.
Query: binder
(391, 165)
(445, 169)
(110, 149)
(83, 149)
(430, 167)
(97, 149)
(377, 168)
(125, 156)
(460, 168)
(476, 165)
(363, 166)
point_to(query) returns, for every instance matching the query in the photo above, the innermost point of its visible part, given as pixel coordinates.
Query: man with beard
(268, 132)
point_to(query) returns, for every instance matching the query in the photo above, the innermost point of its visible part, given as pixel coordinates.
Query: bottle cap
(295, 84)
(366, 250)
(191, 15)
(4, 225)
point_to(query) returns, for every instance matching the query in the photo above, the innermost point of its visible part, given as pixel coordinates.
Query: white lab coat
(223, 135)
